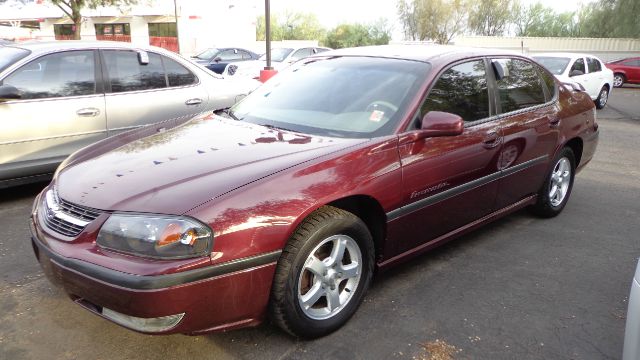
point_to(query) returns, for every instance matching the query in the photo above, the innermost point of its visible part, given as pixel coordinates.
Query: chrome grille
(66, 218)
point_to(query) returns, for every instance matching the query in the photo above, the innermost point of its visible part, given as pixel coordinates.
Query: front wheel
(601, 101)
(323, 273)
(555, 191)
(618, 80)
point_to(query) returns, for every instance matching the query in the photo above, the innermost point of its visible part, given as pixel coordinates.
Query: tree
(73, 9)
(491, 17)
(291, 26)
(351, 35)
(437, 20)
(611, 18)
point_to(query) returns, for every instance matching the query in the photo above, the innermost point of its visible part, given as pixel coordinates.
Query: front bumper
(214, 298)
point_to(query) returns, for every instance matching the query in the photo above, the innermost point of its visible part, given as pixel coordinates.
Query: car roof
(564, 54)
(425, 53)
(48, 46)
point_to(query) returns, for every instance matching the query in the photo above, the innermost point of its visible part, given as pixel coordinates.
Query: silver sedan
(57, 97)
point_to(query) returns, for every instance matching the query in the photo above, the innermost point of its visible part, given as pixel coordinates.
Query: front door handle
(90, 112)
(491, 140)
(194, 101)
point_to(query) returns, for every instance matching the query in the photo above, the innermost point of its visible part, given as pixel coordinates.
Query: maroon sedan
(625, 71)
(285, 205)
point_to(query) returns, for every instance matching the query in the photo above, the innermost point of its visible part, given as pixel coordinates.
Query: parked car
(631, 349)
(56, 97)
(587, 70)
(216, 59)
(280, 59)
(4, 42)
(346, 162)
(625, 71)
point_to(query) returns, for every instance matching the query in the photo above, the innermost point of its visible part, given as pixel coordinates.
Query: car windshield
(277, 55)
(9, 55)
(556, 65)
(207, 54)
(352, 97)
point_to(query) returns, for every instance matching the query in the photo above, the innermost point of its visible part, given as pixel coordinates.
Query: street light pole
(268, 70)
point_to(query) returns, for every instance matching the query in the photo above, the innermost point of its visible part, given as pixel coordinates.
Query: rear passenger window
(461, 90)
(127, 74)
(177, 74)
(593, 65)
(520, 86)
(549, 82)
(64, 74)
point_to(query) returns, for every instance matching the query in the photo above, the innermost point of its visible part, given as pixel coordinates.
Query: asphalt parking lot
(520, 288)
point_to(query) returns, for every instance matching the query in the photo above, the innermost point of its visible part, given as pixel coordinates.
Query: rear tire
(603, 97)
(555, 191)
(323, 273)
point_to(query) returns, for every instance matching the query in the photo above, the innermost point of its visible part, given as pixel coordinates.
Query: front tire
(618, 80)
(323, 273)
(555, 191)
(603, 97)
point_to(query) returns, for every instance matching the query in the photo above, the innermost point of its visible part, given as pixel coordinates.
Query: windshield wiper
(276, 127)
(228, 112)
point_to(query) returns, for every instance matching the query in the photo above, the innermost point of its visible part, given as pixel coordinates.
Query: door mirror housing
(8, 92)
(217, 59)
(574, 86)
(438, 123)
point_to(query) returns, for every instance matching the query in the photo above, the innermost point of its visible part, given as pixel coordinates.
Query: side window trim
(425, 95)
(20, 64)
(106, 79)
(196, 81)
(499, 114)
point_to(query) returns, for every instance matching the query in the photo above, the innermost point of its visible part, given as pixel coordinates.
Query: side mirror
(575, 73)
(143, 57)
(8, 92)
(438, 123)
(217, 59)
(574, 86)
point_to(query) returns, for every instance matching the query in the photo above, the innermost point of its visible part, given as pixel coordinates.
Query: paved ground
(521, 288)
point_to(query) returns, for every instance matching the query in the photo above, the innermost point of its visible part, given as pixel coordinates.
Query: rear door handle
(194, 101)
(491, 140)
(89, 112)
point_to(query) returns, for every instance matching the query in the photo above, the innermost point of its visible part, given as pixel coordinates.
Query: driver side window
(461, 90)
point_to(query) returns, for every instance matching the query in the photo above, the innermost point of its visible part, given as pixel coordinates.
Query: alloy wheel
(329, 277)
(618, 81)
(560, 181)
(604, 96)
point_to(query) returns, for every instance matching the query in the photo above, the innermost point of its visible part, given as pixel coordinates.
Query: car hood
(176, 170)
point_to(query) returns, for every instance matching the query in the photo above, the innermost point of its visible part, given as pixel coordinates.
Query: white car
(280, 59)
(586, 70)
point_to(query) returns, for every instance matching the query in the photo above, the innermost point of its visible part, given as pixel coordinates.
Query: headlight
(156, 236)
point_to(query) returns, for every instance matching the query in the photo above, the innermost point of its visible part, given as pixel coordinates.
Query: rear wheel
(555, 191)
(603, 97)
(323, 273)
(618, 80)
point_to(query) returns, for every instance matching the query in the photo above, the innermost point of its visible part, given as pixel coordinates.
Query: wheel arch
(369, 210)
(576, 145)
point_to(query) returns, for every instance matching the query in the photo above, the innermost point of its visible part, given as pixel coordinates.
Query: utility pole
(268, 71)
